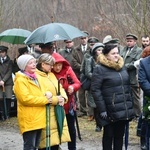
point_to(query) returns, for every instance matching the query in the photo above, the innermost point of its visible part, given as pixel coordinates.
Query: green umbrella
(48, 127)
(14, 36)
(54, 32)
(59, 112)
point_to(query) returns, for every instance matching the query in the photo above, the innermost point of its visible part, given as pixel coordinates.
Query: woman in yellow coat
(31, 102)
(50, 83)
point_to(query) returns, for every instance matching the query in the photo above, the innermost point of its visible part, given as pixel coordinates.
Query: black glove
(103, 115)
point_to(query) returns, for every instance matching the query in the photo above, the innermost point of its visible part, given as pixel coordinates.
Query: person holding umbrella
(71, 84)
(6, 83)
(44, 65)
(47, 48)
(31, 102)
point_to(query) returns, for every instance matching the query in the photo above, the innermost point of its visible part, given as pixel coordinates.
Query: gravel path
(10, 138)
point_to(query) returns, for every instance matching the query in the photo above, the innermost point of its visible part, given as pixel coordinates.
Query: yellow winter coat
(51, 84)
(30, 103)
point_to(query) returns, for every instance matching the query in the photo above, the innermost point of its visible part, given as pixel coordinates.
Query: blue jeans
(31, 139)
(72, 131)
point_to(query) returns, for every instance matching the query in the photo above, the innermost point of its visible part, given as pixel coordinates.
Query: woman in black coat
(111, 90)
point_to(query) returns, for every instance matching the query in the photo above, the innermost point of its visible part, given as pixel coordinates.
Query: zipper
(124, 94)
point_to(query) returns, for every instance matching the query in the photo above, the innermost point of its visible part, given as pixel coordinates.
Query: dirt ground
(91, 140)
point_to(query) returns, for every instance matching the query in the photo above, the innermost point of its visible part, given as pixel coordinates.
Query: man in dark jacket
(6, 82)
(67, 51)
(130, 54)
(77, 58)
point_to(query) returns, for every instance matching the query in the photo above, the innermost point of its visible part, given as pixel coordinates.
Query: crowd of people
(118, 90)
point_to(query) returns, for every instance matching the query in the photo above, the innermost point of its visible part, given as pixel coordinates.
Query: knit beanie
(23, 60)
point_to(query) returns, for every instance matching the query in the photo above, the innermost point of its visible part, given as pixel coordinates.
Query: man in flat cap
(6, 82)
(108, 40)
(87, 56)
(77, 58)
(130, 54)
(67, 51)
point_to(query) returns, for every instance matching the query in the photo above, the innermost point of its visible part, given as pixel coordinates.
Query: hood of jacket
(111, 64)
(60, 59)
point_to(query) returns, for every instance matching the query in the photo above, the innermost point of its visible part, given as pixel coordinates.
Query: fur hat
(96, 46)
(23, 60)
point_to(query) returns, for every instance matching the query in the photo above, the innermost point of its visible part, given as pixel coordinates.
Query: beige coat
(50, 84)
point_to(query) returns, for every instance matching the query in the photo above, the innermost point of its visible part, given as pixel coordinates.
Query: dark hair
(47, 45)
(144, 36)
(23, 50)
(108, 48)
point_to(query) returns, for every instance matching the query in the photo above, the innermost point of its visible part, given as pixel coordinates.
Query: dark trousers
(82, 100)
(72, 131)
(4, 114)
(136, 100)
(96, 116)
(31, 139)
(113, 136)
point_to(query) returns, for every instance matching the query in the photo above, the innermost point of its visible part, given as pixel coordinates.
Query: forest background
(98, 17)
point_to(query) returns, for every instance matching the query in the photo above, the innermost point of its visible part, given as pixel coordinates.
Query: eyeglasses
(49, 64)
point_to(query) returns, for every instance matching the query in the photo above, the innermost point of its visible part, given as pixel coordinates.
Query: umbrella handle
(3, 88)
(58, 92)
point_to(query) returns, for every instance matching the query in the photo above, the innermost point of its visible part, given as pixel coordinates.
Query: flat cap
(109, 40)
(93, 40)
(3, 48)
(86, 33)
(68, 41)
(131, 36)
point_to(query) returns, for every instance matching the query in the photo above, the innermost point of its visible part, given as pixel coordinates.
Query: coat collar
(104, 61)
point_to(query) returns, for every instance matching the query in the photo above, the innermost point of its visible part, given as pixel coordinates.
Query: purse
(85, 82)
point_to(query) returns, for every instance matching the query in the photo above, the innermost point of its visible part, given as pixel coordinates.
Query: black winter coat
(110, 87)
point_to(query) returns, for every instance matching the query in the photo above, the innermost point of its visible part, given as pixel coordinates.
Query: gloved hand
(103, 115)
